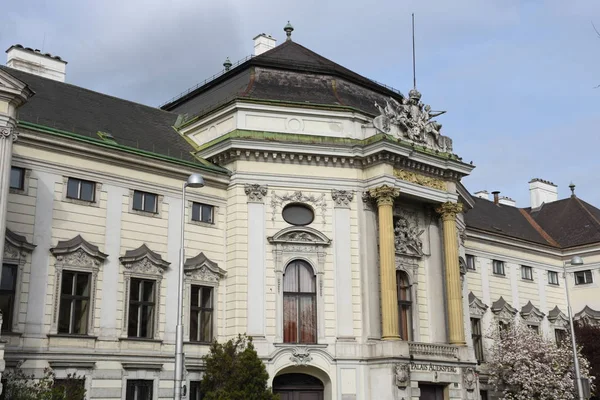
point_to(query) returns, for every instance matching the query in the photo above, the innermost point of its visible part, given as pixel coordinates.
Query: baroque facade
(333, 229)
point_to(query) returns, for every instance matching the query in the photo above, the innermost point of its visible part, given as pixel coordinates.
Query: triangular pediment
(300, 235)
(13, 89)
(202, 268)
(144, 260)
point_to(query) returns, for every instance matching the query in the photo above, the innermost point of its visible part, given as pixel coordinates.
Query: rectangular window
(503, 326)
(534, 328)
(74, 303)
(138, 389)
(470, 262)
(195, 390)
(201, 315)
(72, 389)
(498, 267)
(202, 212)
(583, 277)
(143, 201)
(526, 273)
(141, 308)
(17, 178)
(483, 394)
(560, 335)
(477, 338)
(553, 278)
(7, 295)
(79, 189)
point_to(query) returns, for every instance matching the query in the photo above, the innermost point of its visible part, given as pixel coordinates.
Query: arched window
(404, 305)
(299, 303)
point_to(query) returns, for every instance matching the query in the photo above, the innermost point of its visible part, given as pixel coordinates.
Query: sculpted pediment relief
(299, 236)
(476, 306)
(16, 246)
(144, 261)
(202, 268)
(531, 313)
(503, 310)
(78, 252)
(588, 316)
(557, 317)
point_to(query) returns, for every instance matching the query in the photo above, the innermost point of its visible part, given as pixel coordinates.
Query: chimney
(507, 201)
(262, 43)
(35, 62)
(496, 195)
(541, 191)
(483, 194)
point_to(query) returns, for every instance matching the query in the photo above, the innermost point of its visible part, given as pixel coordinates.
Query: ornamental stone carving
(255, 192)
(558, 318)
(78, 252)
(402, 375)
(503, 310)
(367, 201)
(531, 313)
(8, 133)
(144, 261)
(318, 202)
(407, 237)
(469, 378)
(342, 198)
(412, 120)
(300, 356)
(203, 269)
(449, 210)
(419, 179)
(16, 247)
(296, 235)
(476, 307)
(384, 195)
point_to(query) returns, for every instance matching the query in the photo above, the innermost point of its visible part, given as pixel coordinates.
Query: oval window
(298, 214)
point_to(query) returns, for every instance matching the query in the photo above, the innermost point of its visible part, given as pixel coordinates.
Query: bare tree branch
(594, 26)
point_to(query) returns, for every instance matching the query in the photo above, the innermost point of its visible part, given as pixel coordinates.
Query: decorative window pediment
(202, 268)
(588, 316)
(558, 318)
(476, 307)
(298, 235)
(144, 261)
(503, 310)
(16, 247)
(78, 252)
(531, 313)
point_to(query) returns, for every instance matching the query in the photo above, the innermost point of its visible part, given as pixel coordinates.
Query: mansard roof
(562, 224)
(68, 108)
(287, 73)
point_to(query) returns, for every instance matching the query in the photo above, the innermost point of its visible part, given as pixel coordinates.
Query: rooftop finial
(413, 51)
(288, 31)
(572, 187)
(227, 64)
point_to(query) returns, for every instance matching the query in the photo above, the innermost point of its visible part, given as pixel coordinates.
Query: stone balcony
(433, 350)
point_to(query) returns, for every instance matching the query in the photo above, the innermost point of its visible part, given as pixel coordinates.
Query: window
(195, 390)
(143, 201)
(526, 273)
(7, 295)
(299, 303)
(74, 303)
(201, 315)
(483, 394)
(17, 178)
(498, 267)
(138, 389)
(203, 213)
(79, 189)
(470, 262)
(503, 326)
(477, 338)
(583, 277)
(404, 305)
(141, 308)
(298, 214)
(553, 278)
(534, 328)
(560, 335)
(72, 389)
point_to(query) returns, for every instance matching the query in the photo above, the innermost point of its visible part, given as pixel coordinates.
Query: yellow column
(387, 261)
(456, 331)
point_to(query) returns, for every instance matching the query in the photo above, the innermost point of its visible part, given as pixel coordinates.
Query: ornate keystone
(448, 210)
(255, 192)
(469, 378)
(300, 356)
(384, 195)
(342, 198)
(402, 375)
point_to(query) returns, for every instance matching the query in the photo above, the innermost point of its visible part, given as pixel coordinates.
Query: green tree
(20, 386)
(234, 372)
(587, 337)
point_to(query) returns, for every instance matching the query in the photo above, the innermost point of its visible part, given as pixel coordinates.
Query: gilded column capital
(255, 192)
(384, 195)
(7, 133)
(449, 210)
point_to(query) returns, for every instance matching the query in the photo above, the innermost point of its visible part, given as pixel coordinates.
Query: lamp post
(193, 181)
(576, 260)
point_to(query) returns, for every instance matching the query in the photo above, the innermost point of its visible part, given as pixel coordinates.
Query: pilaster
(385, 195)
(448, 212)
(343, 263)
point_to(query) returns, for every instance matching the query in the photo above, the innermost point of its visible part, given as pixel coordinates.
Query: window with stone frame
(470, 262)
(17, 178)
(144, 201)
(139, 389)
(404, 305)
(8, 295)
(560, 335)
(477, 338)
(299, 303)
(74, 308)
(553, 278)
(80, 189)
(142, 308)
(535, 328)
(195, 393)
(201, 314)
(498, 267)
(583, 277)
(203, 213)
(526, 273)
(72, 389)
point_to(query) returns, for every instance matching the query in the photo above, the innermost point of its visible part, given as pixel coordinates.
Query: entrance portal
(431, 392)
(298, 387)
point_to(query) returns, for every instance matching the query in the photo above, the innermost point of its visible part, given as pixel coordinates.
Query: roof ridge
(89, 90)
(538, 228)
(588, 212)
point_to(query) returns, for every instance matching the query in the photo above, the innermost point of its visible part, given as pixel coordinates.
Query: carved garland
(420, 179)
(318, 202)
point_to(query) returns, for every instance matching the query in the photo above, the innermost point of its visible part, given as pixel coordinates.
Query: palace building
(333, 228)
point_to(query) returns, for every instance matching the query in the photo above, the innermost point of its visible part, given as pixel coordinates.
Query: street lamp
(193, 181)
(576, 260)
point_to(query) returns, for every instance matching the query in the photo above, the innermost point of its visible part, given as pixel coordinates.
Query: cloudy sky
(516, 77)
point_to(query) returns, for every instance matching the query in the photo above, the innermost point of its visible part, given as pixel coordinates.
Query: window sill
(18, 191)
(198, 343)
(11, 333)
(69, 336)
(528, 280)
(133, 339)
(202, 223)
(471, 270)
(317, 345)
(554, 284)
(499, 275)
(91, 203)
